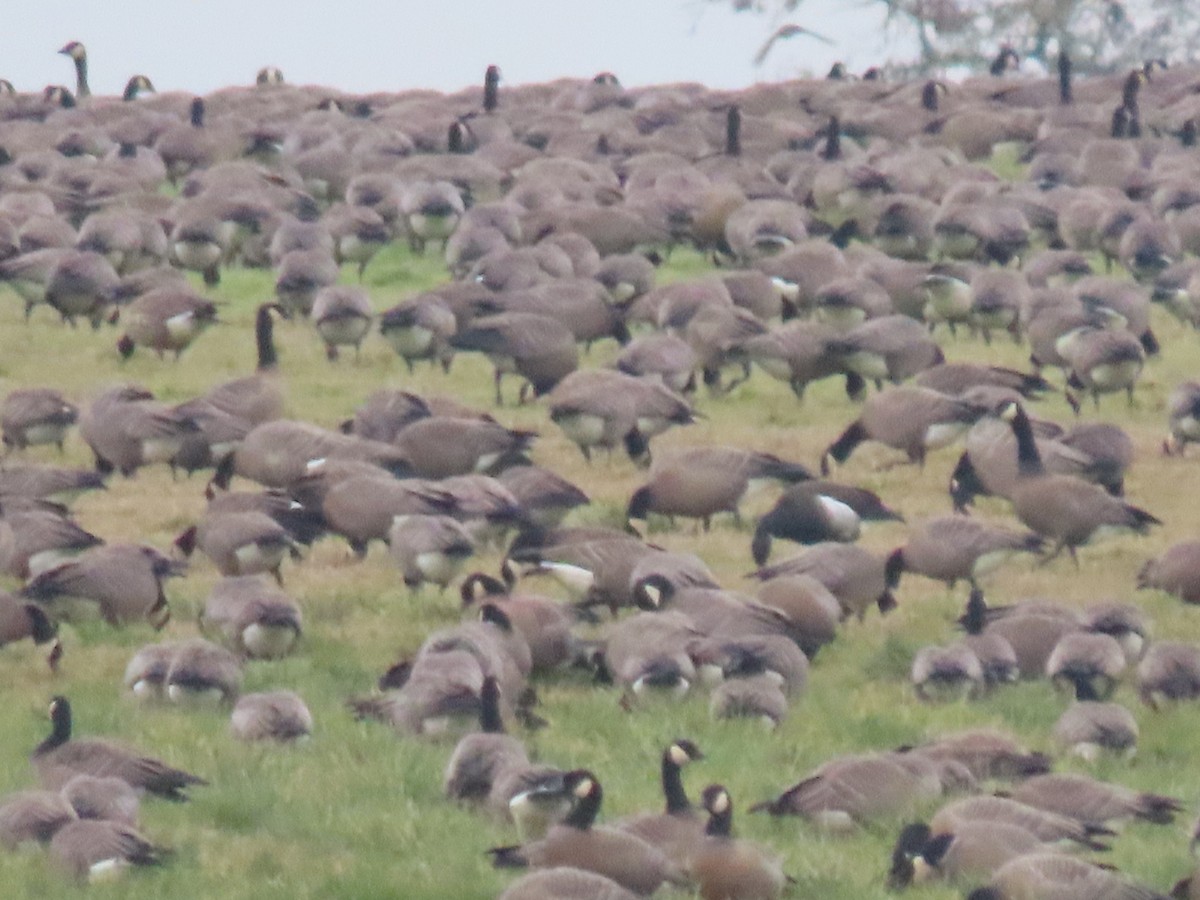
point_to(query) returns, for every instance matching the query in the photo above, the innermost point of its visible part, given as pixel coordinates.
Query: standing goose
(702, 481)
(259, 397)
(911, 419)
(1170, 670)
(481, 756)
(1176, 571)
(279, 716)
(819, 510)
(678, 829)
(578, 842)
(165, 319)
(856, 577)
(950, 548)
(725, 868)
(34, 416)
(59, 758)
(239, 543)
(342, 316)
(252, 616)
(121, 582)
(539, 349)
(1101, 361)
(429, 548)
(1061, 508)
(126, 428)
(82, 283)
(78, 54)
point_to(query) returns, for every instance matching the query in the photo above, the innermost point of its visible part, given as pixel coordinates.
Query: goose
(78, 55)
(546, 497)
(725, 868)
(972, 852)
(358, 232)
(949, 548)
(33, 816)
(201, 671)
(362, 506)
(81, 283)
(856, 577)
(892, 347)
(445, 446)
(107, 797)
(911, 419)
(300, 276)
(1066, 510)
(1087, 656)
(479, 758)
(702, 481)
(126, 428)
(259, 397)
(38, 538)
(757, 697)
(431, 212)
(957, 378)
(665, 357)
(165, 319)
(1031, 634)
(544, 623)
(146, 672)
(677, 830)
(429, 548)
(1045, 826)
(818, 510)
(578, 842)
(1102, 360)
(28, 273)
(1094, 802)
(342, 315)
(252, 617)
(797, 353)
(1045, 875)
(19, 620)
(811, 609)
(539, 349)
(420, 328)
(1183, 415)
(1170, 670)
(947, 672)
(199, 239)
(986, 753)
(651, 651)
(239, 543)
(1176, 571)
(280, 716)
(565, 883)
(60, 758)
(88, 849)
(40, 482)
(31, 417)
(120, 582)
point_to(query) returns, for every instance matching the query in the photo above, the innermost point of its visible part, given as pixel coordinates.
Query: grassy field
(357, 812)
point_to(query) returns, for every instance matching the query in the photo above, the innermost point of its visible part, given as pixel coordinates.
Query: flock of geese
(857, 230)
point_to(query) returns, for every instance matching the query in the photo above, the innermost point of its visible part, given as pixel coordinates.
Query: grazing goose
(987, 754)
(301, 275)
(856, 577)
(420, 328)
(759, 697)
(911, 419)
(950, 548)
(1046, 826)
(1183, 417)
(545, 497)
(39, 537)
(120, 582)
(165, 319)
(253, 617)
(1094, 802)
(1169, 671)
(544, 622)
(89, 849)
(342, 316)
(949, 672)
(19, 620)
(201, 671)
(725, 868)
(1176, 571)
(1042, 876)
(819, 510)
(362, 503)
(565, 883)
(539, 349)
(31, 417)
(1101, 361)
(58, 759)
(1061, 508)
(678, 829)
(445, 446)
(666, 357)
(280, 716)
(702, 481)
(1093, 657)
(651, 651)
(108, 797)
(81, 283)
(578, 842)
(239, 543)
(146, 672)
(51, 483)
(891, 347)
(811, 609)
(33, 816)
(429, 548)
(259, 397)
(479, 758)
(127, 429)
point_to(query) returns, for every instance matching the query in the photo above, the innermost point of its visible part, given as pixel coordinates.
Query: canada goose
(33, 816)
(280, 716)
(1094, 802)
(948, 672)
(565, 883)
(663, 356)
(29, 273)
(303, 523)
(122, 582)
(725, 868)
(1183, 418)
(952, 547)
(81, 283)
(59, 758)
(846, 304)
(651, 650)
(35, 539)
(1087, 656)
(812, 611)
(301, 275)
(362, 506)
(259, 397)
(1170, 670)
(359, 233)
(239, 543)
(798, 353)
(577, 841)
(750, 697)
(539, 349)
(1031, 634)
(1062, 508)
(127, 429)
(420, 328)
(200, 671)
(342, 315)
(431, 212)
(93, 848)
(850, 791)
(24, 620)
(1102, 360)
(429, 548)
(218, 435)
(35, 416)
(254, 618)
(444, 446)
(130, 242)
(544, 623)
(972, 851)
(914, 420)
(53, 483)
(702, 481)
(986, 753)
(165, 319)
(480, 757)
(546, 498)
(1045, 875)
(1176, 571)
(103, 797)
(1046, 826)
(957, 378)
(627, 276)
(78, 54)
(819, 510)
(146, 672)
(677, 830)
(856, 577)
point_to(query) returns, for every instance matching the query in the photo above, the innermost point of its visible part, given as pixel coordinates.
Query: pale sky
(369, 45)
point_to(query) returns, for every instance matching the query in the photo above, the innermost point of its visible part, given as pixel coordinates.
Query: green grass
(357, 812)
